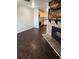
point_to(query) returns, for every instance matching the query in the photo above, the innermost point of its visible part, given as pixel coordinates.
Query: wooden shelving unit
(54, 12)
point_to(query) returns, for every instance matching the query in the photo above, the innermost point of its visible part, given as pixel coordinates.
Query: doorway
(43, 17)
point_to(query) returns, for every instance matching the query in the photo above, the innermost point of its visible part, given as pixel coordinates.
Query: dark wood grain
(31, 45)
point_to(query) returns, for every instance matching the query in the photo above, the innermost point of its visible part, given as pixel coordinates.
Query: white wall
(36, 18)
(25, 19)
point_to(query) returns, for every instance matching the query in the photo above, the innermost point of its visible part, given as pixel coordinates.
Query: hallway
(31, 45)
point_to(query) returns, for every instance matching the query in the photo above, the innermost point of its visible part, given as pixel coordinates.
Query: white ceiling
(42, 4)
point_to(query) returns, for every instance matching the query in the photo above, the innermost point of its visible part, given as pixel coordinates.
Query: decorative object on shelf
(55, 4)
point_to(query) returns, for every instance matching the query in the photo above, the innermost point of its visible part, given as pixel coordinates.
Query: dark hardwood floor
(42, 29)
(31, 45)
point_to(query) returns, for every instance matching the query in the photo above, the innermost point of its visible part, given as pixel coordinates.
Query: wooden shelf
(54, 10)
(55, 4)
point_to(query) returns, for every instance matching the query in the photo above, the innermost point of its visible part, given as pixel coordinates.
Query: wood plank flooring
(31, 45)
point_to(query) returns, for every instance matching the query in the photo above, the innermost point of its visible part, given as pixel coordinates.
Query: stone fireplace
(54, 30)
